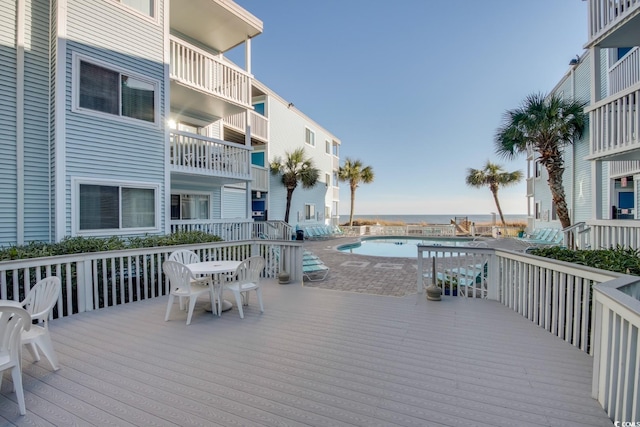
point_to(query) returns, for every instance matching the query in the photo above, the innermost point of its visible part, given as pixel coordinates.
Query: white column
(20, 39)
(596, 76)
(596, 189)
(60, 210)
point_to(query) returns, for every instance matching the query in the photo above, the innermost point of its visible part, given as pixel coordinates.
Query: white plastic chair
(246, 279)
(185, 256)
(13, 321)
(39, 302)
(180, 280)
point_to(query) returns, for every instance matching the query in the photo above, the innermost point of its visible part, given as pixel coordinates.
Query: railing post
(492, 277)
(84, 285)
(420, 284)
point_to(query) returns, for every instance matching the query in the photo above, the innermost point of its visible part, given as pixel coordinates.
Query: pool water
(400, 247)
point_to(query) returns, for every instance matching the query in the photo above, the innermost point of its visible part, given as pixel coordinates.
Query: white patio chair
(180, 280)
(246, 279)
(185, 256)
(39, 302)
(13, 322)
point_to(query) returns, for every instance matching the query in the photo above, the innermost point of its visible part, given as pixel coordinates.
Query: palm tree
(353, 172)
(546, 124)
(294, 168)
(494, 177)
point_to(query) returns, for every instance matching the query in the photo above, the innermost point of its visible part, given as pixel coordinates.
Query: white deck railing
(626, 72)
(203, 155)
(401, 230)
(605, 15)
(91, 281)
(278, 230)
(203, 71)
(259, 178)
(611, 233)
(228, 230)
(595, 310)
(259, 124)
(614, 123)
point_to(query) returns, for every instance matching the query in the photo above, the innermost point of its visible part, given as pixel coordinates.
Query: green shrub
(78, 245)
(618, 259)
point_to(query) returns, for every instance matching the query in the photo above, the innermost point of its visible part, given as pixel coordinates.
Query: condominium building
(124, 117)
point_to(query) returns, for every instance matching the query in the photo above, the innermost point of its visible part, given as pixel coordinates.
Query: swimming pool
(399, 247)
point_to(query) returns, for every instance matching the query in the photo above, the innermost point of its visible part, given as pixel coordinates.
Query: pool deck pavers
(376, 275)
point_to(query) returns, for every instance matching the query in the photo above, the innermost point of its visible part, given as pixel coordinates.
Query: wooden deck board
(315, 357)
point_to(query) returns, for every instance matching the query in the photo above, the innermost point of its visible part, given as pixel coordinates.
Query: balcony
(530, 187)
(626, 72)
(203, 85)
(259, 125)
(221, 24)
(614, 23)
(199, 155)
(614, 125)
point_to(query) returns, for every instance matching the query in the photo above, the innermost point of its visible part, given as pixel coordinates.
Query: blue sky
(416, 88)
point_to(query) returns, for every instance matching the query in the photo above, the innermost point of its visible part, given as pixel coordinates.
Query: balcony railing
(605, 15)
(228, 230)
(614, 124)
(201, 155)
(259, 124)
(259, 178)
(626, 72)
(207, 73)
(613, 232)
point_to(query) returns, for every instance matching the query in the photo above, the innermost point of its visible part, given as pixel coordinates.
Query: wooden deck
(315, 357)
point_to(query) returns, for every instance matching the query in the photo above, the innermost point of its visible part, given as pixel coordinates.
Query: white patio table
(215, 268)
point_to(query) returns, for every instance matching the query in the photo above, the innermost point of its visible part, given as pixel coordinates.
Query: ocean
(437, 219)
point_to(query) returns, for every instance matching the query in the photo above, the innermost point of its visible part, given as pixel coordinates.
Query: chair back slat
(179, 276)
(184, 256)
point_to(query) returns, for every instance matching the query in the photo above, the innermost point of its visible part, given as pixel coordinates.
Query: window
(327, 146)
(622, 51)
(309, 212)
(146, 7)
(116, 207)
(335, 178)
(189, 206)
(309, 137)
(554, 213)
(538, 210)
(327, 179)
(538, 170)
(335, 149)
(116, 93)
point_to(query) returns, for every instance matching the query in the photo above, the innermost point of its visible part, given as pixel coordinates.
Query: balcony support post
(596, 80)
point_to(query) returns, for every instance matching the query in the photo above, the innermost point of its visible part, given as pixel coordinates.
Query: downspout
(20, 39)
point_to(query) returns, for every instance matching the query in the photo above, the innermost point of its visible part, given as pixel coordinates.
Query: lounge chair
(471, 281)
(315, 273)
(313, 268)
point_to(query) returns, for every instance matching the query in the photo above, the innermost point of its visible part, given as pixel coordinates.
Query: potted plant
(521, 232)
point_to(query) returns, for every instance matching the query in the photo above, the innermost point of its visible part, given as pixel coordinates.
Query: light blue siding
(37, 199)
(582, 191)
(109, 147)
(287, 133)
(8, 123)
